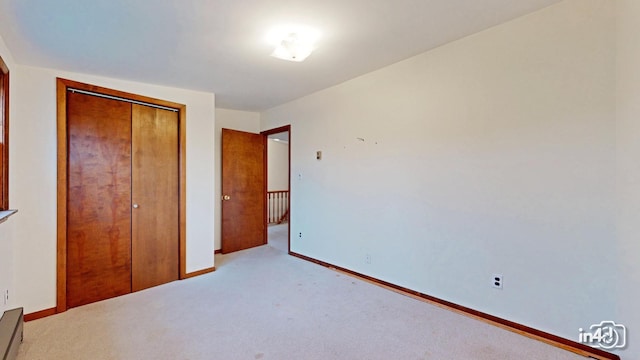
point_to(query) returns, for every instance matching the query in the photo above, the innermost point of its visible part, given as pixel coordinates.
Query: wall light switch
(319, 155)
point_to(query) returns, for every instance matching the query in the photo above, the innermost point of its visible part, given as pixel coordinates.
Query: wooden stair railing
(277, 206)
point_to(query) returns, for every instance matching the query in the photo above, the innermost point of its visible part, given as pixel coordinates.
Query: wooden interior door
(99, 199)
(243, 190)
(123, 217)
(155, 197)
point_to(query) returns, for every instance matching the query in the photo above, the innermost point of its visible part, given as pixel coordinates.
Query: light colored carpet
(264, 304)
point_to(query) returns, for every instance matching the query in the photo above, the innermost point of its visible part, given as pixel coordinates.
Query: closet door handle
(135, 206)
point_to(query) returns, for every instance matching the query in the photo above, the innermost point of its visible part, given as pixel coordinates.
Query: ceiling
(219, 45)
(282, 137)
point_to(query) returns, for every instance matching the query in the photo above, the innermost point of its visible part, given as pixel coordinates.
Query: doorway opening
(278, 194)
(255, 189)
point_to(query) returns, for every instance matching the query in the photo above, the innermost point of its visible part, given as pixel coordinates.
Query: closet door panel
(99, 199)
(155, 197)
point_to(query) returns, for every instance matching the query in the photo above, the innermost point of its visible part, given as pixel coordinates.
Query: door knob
(226, 198)
(135, 206)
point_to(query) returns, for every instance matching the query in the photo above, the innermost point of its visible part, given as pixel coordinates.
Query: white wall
(492, 154)
(236, 120)
(7, 229)
(277, 165)
(628, 161)
(33, 150)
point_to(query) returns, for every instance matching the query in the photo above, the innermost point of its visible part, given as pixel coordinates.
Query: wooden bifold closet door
(123, 198)
(155, 227)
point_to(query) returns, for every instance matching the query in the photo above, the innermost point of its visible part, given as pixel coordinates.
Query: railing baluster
(277, 206)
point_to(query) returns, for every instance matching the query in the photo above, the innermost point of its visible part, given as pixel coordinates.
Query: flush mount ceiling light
(293, 43)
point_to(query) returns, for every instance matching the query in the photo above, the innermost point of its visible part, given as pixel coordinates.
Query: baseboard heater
(11, 325)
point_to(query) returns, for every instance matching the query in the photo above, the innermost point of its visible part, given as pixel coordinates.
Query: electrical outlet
(367, 259)
(300, 235)
(497, 281)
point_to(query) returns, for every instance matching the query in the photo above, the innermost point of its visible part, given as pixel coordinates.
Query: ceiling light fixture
(293, 43)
